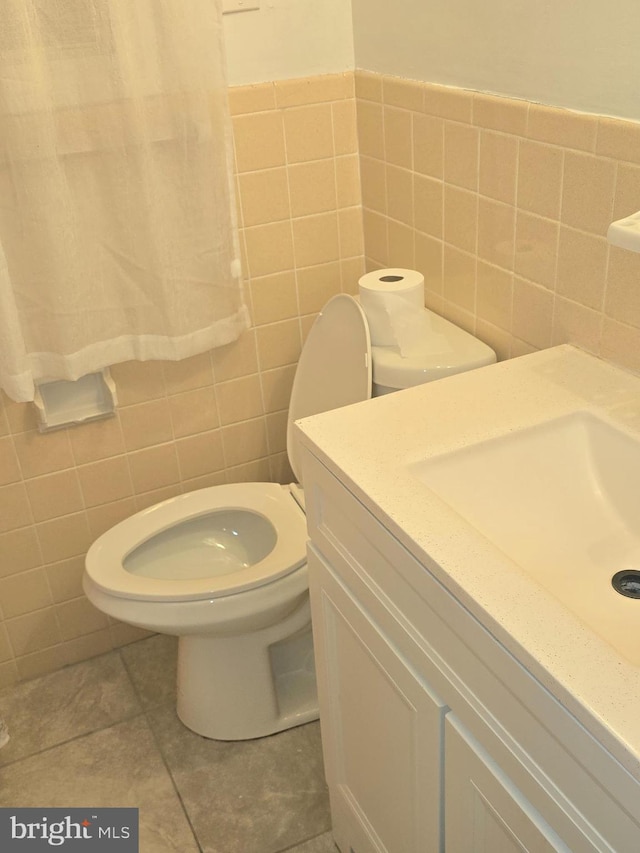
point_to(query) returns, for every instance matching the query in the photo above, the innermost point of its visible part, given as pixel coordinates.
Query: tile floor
(105, 733)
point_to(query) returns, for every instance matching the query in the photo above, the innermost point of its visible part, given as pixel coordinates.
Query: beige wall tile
(187, 374)
(401, 245)
(428, 200)
(448, 102)
(154, 467)
(313, 90)
(627, 195)
(623, 288)
(562, 127)
(54, 495)
(536, 249)
(105, 516)
(276, 388)
(96, 440)
(532, 313)
(259, 141)
(34, 631)
(498, 166)
(315, 239)
(200, 454)
(9, 468)
(428, 145)
(64, 537)
(621, 344)
(279, 344)
(459, 285)
(257, 471)
(407, 94)
(24, 593)
(270, 248)
(460, 218)
(582, 264)
(370, 129)
(540, 178)
(239, 399)
(345, 128)
(505, 114)
(281, 469)
(146, 424)
(156, 496)
(619, 139)
(137, 381)
(274, 297)
(348, 181)
(122, 635)
(245, 442)
(264, 196)
(19, 550)
(428, 260)
(494, 295)
(105, 481)
(496, 232)
(8, 674)
(368, 85)
(309, 133)
(376, 237)
(65, 578)
(461, 155)
(277, 432)
(312, 187)
(15, 510)
(400, 194)
(587, 192)
(20, 417)
(398, 137)
(43, 453)
(575, 324)
(255, 98)
(374, 184)
(351, 269)
(237, 359)
(87, 645)
(316, 285)
(79, 617)
(193, 412)
(350, 232)
(40, 663)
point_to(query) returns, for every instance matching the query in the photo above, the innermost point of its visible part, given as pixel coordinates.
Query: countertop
(370, 446)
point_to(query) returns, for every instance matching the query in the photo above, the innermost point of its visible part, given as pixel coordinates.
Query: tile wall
(219, 417)
(504, 205)
(501, 203)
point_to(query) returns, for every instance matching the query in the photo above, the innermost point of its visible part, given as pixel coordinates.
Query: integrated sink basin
(562, 500)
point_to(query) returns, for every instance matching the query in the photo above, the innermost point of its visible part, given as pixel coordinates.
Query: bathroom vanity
(467, 702)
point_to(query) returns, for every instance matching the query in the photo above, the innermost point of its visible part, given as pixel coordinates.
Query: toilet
(224, 568)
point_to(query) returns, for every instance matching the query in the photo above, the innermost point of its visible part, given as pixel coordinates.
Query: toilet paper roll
(393, 302)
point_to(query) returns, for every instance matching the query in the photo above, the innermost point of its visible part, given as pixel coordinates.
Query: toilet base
(249, 686)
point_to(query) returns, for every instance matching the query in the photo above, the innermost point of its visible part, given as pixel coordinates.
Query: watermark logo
(69, 830)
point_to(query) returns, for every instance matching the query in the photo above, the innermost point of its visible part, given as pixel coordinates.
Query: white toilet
(224, 568)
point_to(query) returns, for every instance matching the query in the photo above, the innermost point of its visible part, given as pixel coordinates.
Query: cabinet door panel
(382, 731)
(484, 811)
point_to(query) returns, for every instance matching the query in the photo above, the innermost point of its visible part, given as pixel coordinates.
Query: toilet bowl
(224, 568)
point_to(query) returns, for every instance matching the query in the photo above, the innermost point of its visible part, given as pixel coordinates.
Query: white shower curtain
(118, 238)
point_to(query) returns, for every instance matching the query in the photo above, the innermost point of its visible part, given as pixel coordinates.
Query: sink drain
(627, 582)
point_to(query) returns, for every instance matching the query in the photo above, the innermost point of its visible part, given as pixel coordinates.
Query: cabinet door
(381, 730)
(484, 811)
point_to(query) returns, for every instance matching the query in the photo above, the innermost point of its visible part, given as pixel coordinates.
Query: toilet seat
(106, 559)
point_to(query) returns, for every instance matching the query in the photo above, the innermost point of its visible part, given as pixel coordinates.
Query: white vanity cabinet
(436, 737)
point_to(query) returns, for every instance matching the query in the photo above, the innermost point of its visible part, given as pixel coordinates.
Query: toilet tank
(444, 349)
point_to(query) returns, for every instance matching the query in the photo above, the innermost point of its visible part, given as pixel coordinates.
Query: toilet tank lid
(334, 369)
(445, 349)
